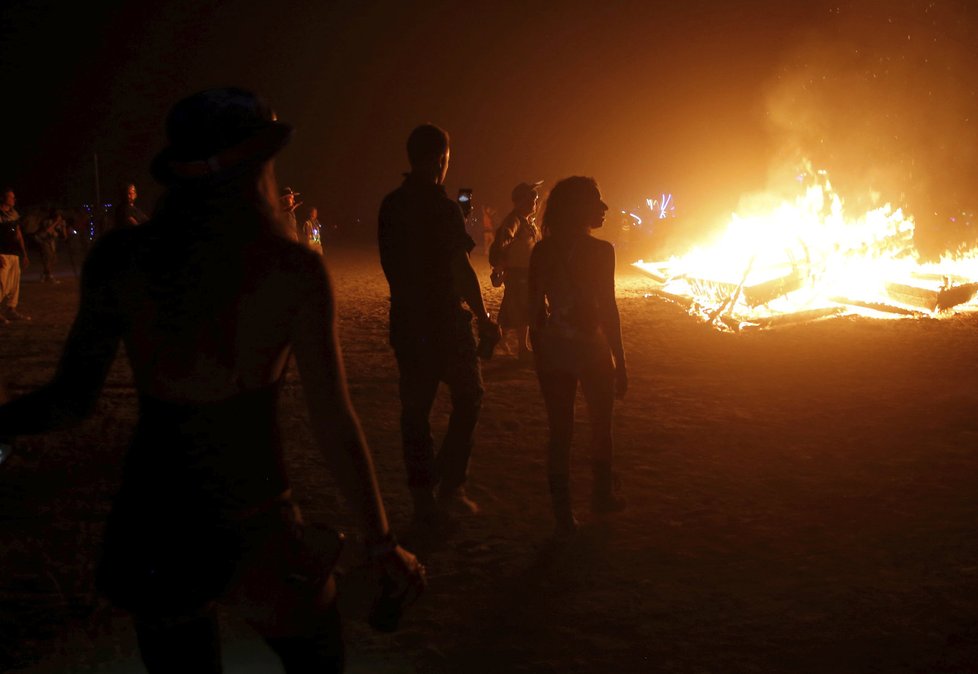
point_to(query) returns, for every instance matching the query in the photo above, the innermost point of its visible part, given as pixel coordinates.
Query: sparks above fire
(809, 259)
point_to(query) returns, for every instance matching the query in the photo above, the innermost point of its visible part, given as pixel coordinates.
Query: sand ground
(800, 500)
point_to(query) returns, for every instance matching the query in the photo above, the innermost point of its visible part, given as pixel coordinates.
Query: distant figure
(312, 231)
(289, 207)
(511, 248)
(576, 334)
(13, 258)
(210, 302)
(51, 230)
(488, 227)
(424, 250)
(127, 213)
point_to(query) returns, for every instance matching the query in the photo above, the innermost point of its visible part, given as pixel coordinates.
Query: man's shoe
(14, 315)
(456, 501)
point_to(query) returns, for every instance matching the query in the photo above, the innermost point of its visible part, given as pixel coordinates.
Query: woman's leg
(598, 385)
(559, 390)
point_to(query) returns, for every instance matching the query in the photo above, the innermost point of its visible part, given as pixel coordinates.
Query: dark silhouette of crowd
(219, 292)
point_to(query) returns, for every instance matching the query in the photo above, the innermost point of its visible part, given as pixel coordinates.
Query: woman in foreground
(576, 334)
(210, 299)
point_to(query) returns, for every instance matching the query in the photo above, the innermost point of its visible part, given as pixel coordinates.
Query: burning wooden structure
(806, 261)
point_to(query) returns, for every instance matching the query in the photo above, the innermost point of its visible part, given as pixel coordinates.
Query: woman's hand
(621, 381)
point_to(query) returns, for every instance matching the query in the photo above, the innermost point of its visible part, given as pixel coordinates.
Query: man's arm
(467, 284)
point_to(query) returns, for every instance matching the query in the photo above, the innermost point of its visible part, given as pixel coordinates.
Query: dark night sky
(705, 99)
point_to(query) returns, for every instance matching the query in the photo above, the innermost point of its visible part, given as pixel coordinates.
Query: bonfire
(808, 259)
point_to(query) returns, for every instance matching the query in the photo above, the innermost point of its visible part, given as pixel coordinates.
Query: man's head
(428, 152)
(9, 199)
(525, 198)
(288, 198)
(131, 193)
(313, 213)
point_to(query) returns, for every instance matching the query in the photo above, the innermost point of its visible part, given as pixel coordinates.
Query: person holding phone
(510, 252)
(211, 299)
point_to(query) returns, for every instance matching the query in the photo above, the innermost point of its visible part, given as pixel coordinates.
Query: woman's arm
(537, 302)
(609, 316)
(334, 422)
(85, 361)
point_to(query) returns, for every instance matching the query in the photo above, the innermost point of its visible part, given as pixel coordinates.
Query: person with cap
(424, 251)
(289, 207)
(210, 299)
(510, 252)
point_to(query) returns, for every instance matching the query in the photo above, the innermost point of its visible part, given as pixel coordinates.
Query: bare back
(203, 316)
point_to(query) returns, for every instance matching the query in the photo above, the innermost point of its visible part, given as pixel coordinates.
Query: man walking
(12, 253)
(424, 250)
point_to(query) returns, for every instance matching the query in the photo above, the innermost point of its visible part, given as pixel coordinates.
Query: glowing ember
(810, 259)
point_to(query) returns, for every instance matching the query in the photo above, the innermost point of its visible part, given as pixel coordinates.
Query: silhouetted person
(312, 231)
(511, 248)
(127, 213)
(210, 298)
(289, 207)
(576, 334)
(52, 229)
(424, 250)
(13, 259)
(488, 227)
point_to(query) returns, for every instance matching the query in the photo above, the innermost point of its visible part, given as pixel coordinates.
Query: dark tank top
(222, 457)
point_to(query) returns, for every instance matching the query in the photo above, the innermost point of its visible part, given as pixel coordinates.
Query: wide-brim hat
(217, 133)
(525, 190)
(289, 192)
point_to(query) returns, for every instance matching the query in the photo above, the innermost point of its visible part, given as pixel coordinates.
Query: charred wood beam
(955, 295)
(913, 295)
(762, 293)
(681, 300)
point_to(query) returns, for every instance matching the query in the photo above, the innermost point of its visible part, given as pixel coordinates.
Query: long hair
(243, 205)
(199, 248)
(566, 211)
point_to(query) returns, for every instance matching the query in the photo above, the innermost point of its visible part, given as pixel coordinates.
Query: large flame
(810, 258)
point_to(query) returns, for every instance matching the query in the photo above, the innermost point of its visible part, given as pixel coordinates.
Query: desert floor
(799, 500)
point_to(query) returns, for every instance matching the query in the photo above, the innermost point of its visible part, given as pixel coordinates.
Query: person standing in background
(13, 259)
(127, 213)
(312, 231)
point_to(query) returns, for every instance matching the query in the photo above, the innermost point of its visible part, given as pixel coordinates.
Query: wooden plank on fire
(762, 293)
(681, 300)
(914, 296)
(878, 306)
(719, 290)
(656, 274)
(796, 317)
(955, 295)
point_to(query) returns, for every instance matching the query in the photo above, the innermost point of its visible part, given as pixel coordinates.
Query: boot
(565, 523)
(606, 497)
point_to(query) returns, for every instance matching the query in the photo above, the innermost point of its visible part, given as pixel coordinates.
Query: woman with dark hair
(210, 299)
(576, 333)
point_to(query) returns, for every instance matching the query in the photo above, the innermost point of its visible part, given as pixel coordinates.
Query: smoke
(883, 96)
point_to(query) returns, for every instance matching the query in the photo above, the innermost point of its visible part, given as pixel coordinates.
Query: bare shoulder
(600, 245)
